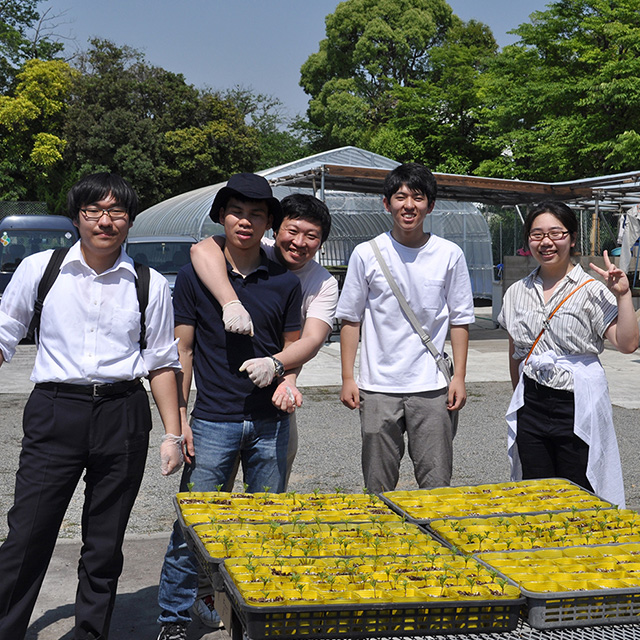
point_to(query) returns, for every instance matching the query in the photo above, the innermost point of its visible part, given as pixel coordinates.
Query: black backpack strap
(46, 282)
(142, 289)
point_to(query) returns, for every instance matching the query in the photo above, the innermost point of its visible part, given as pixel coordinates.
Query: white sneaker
(173, 631)
(204, 608)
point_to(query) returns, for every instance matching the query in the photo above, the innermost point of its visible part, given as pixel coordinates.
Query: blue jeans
(262, 447)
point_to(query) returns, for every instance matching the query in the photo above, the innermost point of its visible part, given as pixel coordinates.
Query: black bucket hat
(247, 185)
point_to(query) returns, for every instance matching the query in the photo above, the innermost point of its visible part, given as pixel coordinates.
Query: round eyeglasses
(92, 214)
(554, 234)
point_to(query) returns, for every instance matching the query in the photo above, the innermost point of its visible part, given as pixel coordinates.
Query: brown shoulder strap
(545, 324)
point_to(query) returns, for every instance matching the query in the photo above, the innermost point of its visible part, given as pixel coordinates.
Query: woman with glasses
(560, 418)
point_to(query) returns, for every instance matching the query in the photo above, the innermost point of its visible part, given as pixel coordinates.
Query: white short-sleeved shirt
(577, 328)
(90, 323)
(435, 281)
(319, 287)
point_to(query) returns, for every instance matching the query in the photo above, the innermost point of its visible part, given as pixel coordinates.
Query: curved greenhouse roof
(188, 213)
(356, 217)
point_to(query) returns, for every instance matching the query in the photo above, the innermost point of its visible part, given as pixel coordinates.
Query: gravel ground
(328, 455)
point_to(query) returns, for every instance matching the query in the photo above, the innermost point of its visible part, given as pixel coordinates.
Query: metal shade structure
(607, 192)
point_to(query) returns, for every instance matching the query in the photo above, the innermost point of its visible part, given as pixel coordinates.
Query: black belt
(109, 389)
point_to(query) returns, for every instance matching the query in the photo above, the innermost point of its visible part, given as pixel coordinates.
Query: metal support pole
(595, 235)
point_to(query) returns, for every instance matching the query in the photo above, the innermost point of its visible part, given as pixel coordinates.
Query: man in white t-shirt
(400, 388)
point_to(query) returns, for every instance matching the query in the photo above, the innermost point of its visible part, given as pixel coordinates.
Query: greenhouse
(356, 216)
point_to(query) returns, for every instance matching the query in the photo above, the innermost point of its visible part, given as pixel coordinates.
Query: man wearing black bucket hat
(231, 417)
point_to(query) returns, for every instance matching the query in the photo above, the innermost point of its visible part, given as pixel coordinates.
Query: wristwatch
(279, 366)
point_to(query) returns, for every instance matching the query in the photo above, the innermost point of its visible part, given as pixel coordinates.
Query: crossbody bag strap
(408, 311)
(545, 324)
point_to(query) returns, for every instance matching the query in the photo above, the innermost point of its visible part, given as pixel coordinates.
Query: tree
(372, 47)
(150, 126)
(564, 101)
(435, 120)
(210, 152)
(23, 35)
(279, 139)
(31, 123)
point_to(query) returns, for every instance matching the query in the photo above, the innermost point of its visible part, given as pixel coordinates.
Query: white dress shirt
(90, 323)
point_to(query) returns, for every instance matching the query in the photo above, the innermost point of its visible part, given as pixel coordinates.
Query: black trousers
(66, 435)
(547, 445)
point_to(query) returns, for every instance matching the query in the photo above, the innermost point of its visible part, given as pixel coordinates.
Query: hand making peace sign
(614, 277)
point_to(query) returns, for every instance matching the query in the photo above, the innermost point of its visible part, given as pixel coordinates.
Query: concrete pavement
(489, 362)
(479, 457)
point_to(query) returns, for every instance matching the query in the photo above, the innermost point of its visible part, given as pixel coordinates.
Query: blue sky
(258, 44)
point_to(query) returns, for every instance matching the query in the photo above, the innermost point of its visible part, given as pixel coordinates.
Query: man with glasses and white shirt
(89, 412)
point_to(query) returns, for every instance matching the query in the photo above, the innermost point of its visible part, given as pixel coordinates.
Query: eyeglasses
(92, 214)
(554, 234)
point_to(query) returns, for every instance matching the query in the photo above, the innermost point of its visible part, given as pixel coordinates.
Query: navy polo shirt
(272, 296)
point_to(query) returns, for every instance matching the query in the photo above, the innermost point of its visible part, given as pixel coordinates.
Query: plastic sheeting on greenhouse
(356, 217)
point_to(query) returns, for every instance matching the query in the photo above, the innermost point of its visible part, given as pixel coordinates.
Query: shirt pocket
(124, 329)
(432, 294)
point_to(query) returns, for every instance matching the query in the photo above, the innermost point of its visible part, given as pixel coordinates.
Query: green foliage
(31, 124)
(404, 78)
(372, 46)
(400, 79)
(435, 120)
(149, 125)
(564, 101)
(22, 37)
(16, 16)
(279, 140)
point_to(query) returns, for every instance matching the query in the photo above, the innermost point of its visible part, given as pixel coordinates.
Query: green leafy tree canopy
(152, 127)
(22, 38)
(31, 128)
(372, 46)
(565, 99)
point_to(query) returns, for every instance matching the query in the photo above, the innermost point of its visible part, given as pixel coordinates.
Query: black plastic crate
(209, 565)
(372, 619)
(581, 608)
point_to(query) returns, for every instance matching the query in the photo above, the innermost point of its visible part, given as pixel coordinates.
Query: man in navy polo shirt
(231, 416)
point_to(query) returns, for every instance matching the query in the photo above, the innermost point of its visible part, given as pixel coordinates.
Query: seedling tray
(572, 607)
(372, 619)
(542, 505)
(183, 525)
(227, 507)
(537, 531)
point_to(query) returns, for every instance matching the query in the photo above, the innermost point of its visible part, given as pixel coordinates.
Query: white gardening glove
(236, 318)
(171, 457)
(261, 370)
